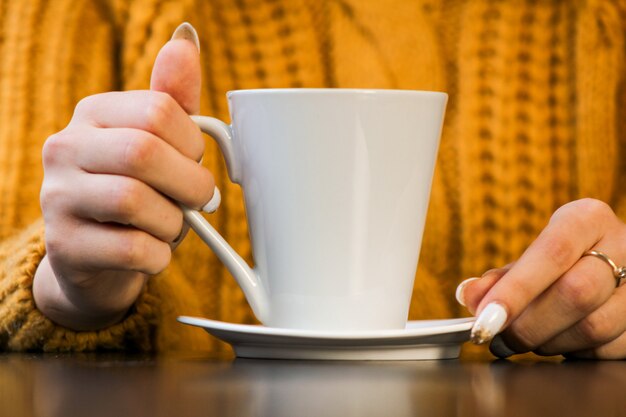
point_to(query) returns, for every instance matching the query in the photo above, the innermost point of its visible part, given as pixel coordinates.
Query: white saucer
(420, 340)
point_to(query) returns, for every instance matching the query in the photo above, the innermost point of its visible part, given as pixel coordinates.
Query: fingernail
(499, 348)
(460, 297)
(186, 31)
(212, 205)
(488, 323)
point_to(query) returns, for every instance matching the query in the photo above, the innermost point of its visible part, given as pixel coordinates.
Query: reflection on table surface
(130, 385)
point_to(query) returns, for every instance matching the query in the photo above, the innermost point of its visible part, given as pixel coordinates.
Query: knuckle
(55, 148)
(51, 193)
(579, 292)
(56, 243)
(138, 152)
(132, 250)
(597, 328)
(126, 201)
(560, 251)
(593, 208)
(160, 108)
(84, 105)
(579, 212)
(141, 252)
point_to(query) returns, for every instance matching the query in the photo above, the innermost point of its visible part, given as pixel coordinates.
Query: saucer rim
(427, 328)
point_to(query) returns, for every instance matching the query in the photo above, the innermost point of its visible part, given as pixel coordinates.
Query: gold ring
(619, 272)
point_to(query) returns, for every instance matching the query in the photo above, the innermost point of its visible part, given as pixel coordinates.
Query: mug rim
(373, 91)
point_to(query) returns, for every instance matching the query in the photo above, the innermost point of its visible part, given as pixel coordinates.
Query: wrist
(54, 303)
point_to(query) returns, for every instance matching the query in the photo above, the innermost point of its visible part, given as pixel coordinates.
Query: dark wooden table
(198, 385)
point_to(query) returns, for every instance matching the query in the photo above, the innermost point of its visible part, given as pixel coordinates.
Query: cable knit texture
(533, 122)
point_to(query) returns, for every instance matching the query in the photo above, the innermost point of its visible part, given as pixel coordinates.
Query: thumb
(176, 70)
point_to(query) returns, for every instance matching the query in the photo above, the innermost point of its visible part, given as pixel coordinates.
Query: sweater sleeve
(24, 328)
(52, 54)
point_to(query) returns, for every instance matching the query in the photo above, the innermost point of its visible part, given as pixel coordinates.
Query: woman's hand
(111, 183)
(554, 300)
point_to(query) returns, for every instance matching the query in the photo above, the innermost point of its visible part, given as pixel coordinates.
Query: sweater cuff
(24, 328)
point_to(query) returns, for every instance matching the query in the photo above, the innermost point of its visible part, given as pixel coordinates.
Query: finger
(177, 70)
(472, 290)
(151, 111)
(127, 201)
(615, 350)
(143, 156)
(601, 327)
(572, 230)
(580, 291)
(91, 246)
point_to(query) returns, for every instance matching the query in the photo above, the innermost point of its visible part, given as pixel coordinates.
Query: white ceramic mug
(336, 185)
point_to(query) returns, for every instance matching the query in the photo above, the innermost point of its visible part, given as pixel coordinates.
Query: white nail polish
(213, 205)
(499, 348)
(488, 324)
(186, 31)
(459, 291)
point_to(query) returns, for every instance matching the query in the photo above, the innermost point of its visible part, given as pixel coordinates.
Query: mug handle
(245, 276)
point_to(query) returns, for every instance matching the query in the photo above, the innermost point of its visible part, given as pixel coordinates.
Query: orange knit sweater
(533, 122)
